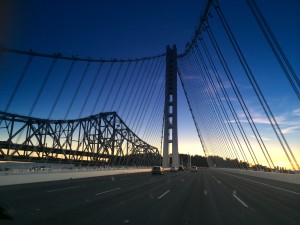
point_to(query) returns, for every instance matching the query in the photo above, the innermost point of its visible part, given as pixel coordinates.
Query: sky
(283, 102)
(105, 29)
(100, 28)
(129, 29)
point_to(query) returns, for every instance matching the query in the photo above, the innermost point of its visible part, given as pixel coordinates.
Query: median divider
(43, 177)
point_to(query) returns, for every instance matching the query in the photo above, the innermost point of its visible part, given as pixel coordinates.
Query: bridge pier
(170, 111)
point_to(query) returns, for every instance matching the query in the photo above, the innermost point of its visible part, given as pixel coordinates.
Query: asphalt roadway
(184, 198)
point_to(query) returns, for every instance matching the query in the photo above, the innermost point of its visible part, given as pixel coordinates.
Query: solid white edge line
(108, 191)
(164, 194)
(61, 189)
(243, 203)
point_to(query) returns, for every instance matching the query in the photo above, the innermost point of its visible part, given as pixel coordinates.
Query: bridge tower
(170, 111)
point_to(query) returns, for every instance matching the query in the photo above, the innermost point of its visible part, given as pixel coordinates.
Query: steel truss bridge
(95, 140)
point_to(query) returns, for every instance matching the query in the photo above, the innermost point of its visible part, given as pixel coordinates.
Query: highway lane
(272, 202)
(185, 198)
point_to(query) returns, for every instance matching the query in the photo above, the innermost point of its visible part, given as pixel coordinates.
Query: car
(173, 169)
(157, 170)
(194, 169)
(180, 168)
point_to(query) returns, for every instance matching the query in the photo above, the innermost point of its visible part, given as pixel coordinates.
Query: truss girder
(99, 138)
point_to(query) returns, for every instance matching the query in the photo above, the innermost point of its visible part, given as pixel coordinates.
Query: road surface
(185, 198)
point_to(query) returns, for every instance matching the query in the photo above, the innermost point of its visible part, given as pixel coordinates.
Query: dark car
(157, 170)
(194, 169)
(180, 168)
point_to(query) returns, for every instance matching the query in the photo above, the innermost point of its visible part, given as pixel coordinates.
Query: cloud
(264, 120)
(259, 118)
(296, 112)
(263, 138)
(288, 125)
(292, 128)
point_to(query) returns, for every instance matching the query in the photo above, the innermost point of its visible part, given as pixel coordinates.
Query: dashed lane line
(217, 180)
(104, 192)
(163, 194)
(61, 189)
(240, 200)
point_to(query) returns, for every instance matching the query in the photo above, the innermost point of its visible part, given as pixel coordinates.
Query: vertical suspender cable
(127, 88)
(91, 88)
(120, 87)
(43, 86)
(133, 92)
(193, 116)
(149, 83)
(111, 87)
(206, 80)
(256, 88)
(131, 89)
(61, 89)
(224, 110)
(236, 91)
(136, 95)
(102, 87)
(237, 94)
(271, 38)
(148, 98)
(25, 69)
(77, 90)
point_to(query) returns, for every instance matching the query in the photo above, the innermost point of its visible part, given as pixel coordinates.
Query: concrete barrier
(290, 178)
(42, 177)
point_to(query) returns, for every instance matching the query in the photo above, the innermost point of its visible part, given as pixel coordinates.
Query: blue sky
(126, 29)
(104, 29)
(101, 28)
(283, 102)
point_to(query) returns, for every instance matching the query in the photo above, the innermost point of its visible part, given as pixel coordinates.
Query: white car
(194, 169)
(157, 170)
(173, 169)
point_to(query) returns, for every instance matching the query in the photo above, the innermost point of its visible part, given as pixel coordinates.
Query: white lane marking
(164, 194)
(243, 203)
(282, 189)
(108, 191)
(217, 180)
(61, 189)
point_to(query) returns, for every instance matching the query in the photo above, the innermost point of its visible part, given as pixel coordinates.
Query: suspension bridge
(105, 111)
(58, 108)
